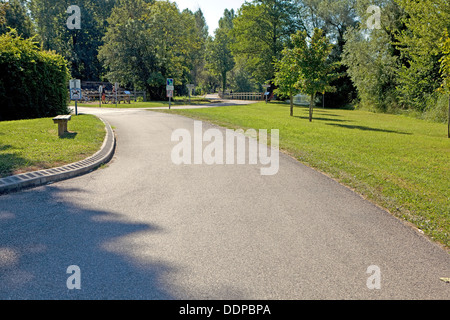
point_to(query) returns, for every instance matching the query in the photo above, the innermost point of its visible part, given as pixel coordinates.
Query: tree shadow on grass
(364, 128)
(322, 119)
(9, 162)
(42, 233)
(69, 135)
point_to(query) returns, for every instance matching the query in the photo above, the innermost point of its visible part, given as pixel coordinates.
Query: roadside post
(116, 89)
(170, 89)
(190, 88)
(266, 94)
(75, 92)
(100, 91)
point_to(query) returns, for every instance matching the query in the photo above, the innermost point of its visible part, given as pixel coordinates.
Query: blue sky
(212, 9)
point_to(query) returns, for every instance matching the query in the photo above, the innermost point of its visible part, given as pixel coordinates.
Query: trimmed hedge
(33, 83)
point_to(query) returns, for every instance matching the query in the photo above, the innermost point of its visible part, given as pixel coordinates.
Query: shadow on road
(42, 234)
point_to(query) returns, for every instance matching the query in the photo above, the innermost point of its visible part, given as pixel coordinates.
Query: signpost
(116, 89)
(75, 92)
(170, 89)
(100, 92)
(266, 94)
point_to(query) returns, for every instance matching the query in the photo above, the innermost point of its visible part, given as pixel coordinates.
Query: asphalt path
(143, 227)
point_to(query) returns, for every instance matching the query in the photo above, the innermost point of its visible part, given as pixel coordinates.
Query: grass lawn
(398, 162)
(179, 101)
(29, 145)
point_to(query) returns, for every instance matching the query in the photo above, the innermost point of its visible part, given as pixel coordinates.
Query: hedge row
(33, 83)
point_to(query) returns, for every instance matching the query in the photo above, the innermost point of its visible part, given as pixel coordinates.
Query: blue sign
(75, 94)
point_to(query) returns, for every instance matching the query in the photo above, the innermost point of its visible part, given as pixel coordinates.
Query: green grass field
(29, 145)
(179, 101)
(398, 162)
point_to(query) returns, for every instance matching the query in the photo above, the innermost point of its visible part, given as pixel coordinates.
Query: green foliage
(148, 42)
(287, 76)
(219, 57)
(261, 30)
(372, 68)
(315, 70)
(79, 47)
(3, 8)
(445, 69)
(419, 43)
(445, 60)
(199, 73)
(33, 83)
(15, 16)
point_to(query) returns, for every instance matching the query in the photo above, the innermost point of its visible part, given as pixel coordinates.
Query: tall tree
(78, 46)
(147, 43)
(220, 57)
(334, 17)
(372, 59)
(425, 21)
(3, 8)
(199, 56)
(445, 69)
(311, 58)
(16, 17)
(261, 30)
(287, 76)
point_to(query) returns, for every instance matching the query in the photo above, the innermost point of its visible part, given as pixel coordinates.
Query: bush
(33, 83)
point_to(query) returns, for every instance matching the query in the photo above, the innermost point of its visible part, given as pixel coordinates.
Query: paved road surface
(144, 228)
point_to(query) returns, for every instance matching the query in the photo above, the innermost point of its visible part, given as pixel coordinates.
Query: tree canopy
(398, 65)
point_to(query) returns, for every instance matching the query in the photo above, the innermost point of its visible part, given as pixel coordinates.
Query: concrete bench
(62, 123)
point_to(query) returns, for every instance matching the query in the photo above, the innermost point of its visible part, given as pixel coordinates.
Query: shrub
(33, 83)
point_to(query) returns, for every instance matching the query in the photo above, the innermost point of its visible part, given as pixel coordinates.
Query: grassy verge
(179, 101)
(398, 162)
(29, 145)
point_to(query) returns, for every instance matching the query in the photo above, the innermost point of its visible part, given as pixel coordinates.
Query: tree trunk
(224, 84)
(292, 105)
(311, 106)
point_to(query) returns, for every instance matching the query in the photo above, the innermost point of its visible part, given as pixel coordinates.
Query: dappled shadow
(364, 128)
(9, 161)
(42, 234)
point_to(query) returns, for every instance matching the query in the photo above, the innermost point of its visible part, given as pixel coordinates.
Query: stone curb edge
(42, 177)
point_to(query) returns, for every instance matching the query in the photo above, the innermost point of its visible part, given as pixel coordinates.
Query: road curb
(42, 177)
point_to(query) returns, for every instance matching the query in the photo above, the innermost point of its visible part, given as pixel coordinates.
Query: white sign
(169, 93)
(75, 84)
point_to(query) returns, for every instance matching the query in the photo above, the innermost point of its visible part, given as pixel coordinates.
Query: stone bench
(62, 123)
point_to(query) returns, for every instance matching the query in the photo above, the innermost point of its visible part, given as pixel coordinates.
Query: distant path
(223, 103)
